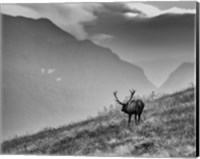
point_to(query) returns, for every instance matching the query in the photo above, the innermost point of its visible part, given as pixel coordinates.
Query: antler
(132, 93)
(117, 100)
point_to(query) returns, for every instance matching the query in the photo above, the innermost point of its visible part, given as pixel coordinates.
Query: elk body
(131, 107)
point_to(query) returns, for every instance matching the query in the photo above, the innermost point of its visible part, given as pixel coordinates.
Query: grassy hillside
(167, 129)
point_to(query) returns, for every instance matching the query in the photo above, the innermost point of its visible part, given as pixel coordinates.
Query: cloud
(50, 71)
(68, 16)
(145, 9)
(175, 10)
(18, 10)
(131, 14)
(72, 17)
(99, 38)
(58, 79)
(149, 11)
(42, 70)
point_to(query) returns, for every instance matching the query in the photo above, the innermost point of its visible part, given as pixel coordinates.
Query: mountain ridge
(88, 73)
(180, 78)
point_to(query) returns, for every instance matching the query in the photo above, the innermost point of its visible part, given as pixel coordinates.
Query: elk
(131, 107)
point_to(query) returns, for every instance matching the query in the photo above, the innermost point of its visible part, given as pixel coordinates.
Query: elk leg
(129, 119)
(135, 119)
(139, 117)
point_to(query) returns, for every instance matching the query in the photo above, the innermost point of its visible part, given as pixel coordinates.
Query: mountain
(165, 130)
(51, 78)
(181, 78)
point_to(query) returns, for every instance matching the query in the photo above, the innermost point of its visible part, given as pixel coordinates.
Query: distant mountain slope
(166, 130)
(50, 78)
(180, 78)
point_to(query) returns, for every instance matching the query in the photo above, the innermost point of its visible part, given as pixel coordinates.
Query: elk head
(124, 105)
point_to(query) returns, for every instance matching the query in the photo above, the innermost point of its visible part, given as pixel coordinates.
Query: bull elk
(131, 107)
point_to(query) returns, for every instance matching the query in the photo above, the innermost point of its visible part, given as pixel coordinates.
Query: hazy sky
(158, 36)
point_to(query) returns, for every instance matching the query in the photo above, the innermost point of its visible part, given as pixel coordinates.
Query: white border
(63, 1)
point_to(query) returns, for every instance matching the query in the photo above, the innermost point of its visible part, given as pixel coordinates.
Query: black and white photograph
(105, 79)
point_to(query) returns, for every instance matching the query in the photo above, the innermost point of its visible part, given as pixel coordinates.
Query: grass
(167, 129)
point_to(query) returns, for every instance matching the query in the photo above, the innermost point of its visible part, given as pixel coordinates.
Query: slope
(167, 129)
